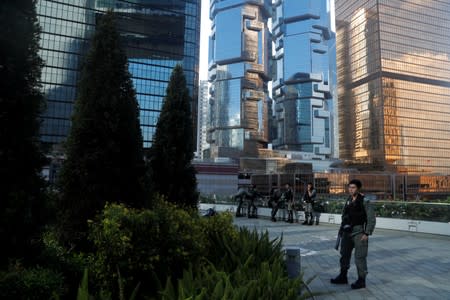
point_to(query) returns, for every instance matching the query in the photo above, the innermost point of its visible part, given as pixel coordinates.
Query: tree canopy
(170, 157)
(104, 148)
(21, 101)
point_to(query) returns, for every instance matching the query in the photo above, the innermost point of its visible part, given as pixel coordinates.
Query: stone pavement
(402, 265)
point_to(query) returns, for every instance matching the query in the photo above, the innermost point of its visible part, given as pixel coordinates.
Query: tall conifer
(104, 148)
(21, 101)
(172, 151)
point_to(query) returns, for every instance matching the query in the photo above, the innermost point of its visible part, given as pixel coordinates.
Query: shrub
(251, 267)
(219, 225)
(145, 245)
(35, 283)
(232, 250)
(59, 258)
(437, 212)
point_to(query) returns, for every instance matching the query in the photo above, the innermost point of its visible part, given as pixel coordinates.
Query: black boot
(309, 219)
(359, 284)
(306, 221)
(341, 278)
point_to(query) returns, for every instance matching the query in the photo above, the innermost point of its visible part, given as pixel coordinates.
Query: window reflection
(156, 36)
(239, 74)
(394, 99)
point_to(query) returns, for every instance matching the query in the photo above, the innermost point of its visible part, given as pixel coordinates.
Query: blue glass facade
(239, 73)
(302, 77)
(157, 35)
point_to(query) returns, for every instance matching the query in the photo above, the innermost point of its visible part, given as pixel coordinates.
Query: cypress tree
(21, 101)
(104, 160)
(171, 171)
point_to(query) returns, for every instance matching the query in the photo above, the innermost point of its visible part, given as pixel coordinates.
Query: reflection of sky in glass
(165, 30)
(150, 79)
(228, 26)
(238, 57)
(302, 75)
(229, 102)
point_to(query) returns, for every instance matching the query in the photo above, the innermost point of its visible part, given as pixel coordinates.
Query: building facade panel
(394, 100)
(156, 35)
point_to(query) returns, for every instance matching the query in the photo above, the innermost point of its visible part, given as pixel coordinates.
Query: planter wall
(384, 223)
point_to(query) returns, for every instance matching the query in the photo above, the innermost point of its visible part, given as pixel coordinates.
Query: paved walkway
(402, 265)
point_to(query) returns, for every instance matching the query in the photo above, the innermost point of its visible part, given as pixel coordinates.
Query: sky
(204, 35)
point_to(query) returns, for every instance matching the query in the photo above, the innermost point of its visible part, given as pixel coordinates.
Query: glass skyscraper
(239, 73)
(156, 34)
(393, 61)
(302, 77)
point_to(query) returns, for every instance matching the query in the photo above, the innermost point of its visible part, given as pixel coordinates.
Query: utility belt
(354, 229)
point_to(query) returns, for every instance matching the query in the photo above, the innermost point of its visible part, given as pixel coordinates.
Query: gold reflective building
(393, 68)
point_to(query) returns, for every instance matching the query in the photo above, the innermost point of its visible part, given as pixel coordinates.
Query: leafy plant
(22, 196)
(34, 283)
(437, 212)
(242, 273)
(83, 290)
(144, 244)
(104, 148)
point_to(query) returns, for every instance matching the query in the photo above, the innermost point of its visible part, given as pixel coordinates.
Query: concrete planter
(385, 223)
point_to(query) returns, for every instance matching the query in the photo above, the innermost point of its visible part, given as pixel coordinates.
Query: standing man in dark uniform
(239, 196)
(289, 198)
(274, 201)
(309, 197)
(252, 194)
(358, 222)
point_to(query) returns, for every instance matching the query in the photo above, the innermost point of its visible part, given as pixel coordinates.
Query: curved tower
(239, 73)
(301, 83)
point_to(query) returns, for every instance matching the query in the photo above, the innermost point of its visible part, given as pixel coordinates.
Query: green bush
(246, 266)
(232, 250)
(145, 245)
(219, 225)
(211, 284)
(436, 212)
(59, 258)
(83, 290)
(203, 257)
(35, 283)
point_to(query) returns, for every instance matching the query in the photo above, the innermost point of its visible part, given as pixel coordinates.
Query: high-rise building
(239, 73)
(393, 66)
(302, 77)
(203, 117)
(156, 34)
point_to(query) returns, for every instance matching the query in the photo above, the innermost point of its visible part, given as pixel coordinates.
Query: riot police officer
(274, 202)
(252, 195)
(358, 223)
(288, 196)
(239, 196)
(309, 199)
